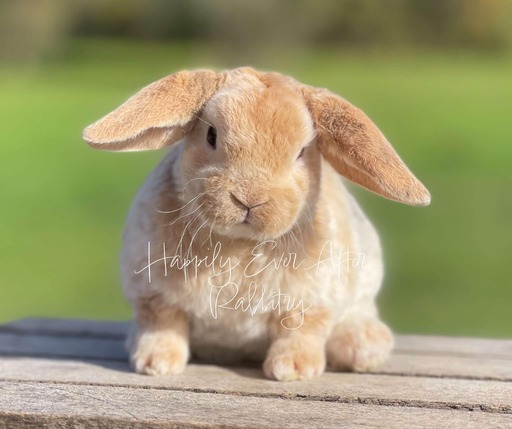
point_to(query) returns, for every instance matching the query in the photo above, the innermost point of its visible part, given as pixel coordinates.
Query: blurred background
(435, 75)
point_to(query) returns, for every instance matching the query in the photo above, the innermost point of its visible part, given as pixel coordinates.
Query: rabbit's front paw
(298, 358)
(159, 354)
(359, 344)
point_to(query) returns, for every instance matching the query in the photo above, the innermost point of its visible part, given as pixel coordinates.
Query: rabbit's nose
(245, 204)
(239, 200)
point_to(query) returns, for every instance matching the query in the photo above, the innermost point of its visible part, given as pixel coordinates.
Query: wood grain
(65, 406)
(375, 389)
(74, 373)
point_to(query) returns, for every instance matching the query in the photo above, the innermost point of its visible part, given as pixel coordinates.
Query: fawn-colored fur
(258, 249)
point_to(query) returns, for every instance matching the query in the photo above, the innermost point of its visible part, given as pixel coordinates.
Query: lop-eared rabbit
(243, 243)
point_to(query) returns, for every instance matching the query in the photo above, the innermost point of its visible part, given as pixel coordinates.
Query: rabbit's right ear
(158, 115)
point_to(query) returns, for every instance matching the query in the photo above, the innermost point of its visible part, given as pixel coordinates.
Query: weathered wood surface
(74, 373)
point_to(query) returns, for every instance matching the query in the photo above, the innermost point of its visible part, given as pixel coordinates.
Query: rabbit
(244, 243)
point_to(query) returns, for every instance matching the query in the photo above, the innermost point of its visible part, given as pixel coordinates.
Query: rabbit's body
(244, 243)
(344, 242)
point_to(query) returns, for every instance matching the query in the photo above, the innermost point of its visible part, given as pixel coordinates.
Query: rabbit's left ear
(158, 115)
(356, 149)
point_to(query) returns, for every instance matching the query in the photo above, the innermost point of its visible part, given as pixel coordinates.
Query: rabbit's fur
(280, 262)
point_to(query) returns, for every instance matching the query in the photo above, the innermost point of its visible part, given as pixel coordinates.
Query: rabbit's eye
(211, 137)
(301, 154)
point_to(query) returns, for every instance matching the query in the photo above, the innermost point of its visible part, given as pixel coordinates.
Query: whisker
(186, 214)
(296, 240)
(192, 180)
(202, 120)
(310, 217)
(180, 243)
(301, 236)
(189, 251)
(192, 200)
(210, 235)
(182, 207)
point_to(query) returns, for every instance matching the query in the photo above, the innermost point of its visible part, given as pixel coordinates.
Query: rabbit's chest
(229, 303)
(230, 300)
(229, 287)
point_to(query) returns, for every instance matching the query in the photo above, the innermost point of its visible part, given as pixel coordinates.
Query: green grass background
(448, 115)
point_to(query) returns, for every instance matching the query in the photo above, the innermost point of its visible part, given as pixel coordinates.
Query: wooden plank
(429, 382)
(88, 347)
(70, 327)
(70, 406)
(472, 368)
(62, 346)
(405, 344)
(454, 346)
(334, 387)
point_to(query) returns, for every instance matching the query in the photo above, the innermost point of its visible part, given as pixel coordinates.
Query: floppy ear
(356, 148)
(158, 115)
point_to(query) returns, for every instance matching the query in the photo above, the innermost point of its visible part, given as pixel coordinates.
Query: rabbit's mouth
(236, 206)
(249, 225)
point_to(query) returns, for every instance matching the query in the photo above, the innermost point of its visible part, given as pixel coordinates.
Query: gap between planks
(109, 406)
(387, 390)
(433, 405)
(430, 368)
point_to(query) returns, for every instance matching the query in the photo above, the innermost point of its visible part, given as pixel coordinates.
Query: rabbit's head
(251, 161)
